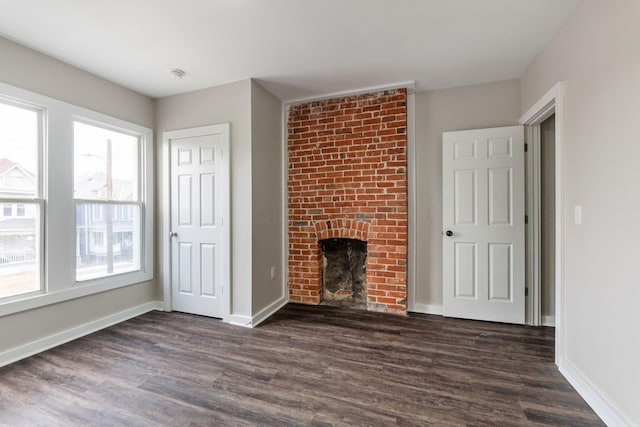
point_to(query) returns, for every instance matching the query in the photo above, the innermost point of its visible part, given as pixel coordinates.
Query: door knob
(449, 233)
(172, 234)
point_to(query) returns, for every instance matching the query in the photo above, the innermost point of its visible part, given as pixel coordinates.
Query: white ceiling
(296, 48)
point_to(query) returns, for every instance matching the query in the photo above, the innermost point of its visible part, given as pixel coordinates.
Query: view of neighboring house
(17, 220)
(97, 224)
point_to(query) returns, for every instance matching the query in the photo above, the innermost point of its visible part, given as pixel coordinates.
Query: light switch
(577, 212)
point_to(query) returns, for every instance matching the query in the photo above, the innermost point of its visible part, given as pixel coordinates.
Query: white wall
(471, 107)
(597, 53)
(33, 71)
(230, 103)
(267, 197)
(30, 70)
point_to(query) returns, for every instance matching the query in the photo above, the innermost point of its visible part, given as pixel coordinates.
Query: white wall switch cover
(577, 212)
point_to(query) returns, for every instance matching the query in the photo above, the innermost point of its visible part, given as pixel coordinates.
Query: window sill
(79, 290)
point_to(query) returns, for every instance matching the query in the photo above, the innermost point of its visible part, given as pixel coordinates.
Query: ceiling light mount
(178, 73)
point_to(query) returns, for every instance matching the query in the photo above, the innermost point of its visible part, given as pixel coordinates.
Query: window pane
(96, 234)
(105, 164)
(19, 251)
(18, 151)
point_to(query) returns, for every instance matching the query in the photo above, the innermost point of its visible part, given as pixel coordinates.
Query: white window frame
(57, 207)
(37, 199)
(114, 203)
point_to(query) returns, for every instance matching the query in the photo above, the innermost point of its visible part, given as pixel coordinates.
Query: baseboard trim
(268, 311)
(427, 309)
(17, 353)
(549, 321)
(239, 320)
(607, 412)
(261, 316)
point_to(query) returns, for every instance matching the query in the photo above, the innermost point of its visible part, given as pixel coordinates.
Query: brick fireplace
(347, 180)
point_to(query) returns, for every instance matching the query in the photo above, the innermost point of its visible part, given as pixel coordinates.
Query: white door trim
(532, 261)
(553, 102)
(166, 208)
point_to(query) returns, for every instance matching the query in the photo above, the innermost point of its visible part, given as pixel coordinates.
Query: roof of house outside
(6, 165)
(90, 185)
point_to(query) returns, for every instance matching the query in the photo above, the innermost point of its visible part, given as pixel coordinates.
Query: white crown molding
(409, 85)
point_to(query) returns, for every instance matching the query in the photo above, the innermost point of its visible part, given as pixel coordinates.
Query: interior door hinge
(526, 292)
(526, 219)
(526, 147)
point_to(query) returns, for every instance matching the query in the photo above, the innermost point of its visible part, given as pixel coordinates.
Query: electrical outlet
(273, 273)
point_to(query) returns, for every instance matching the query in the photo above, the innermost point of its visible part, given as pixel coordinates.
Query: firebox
(344, 272)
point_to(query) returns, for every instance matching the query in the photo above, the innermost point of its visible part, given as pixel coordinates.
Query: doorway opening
(551, 104)
(541, 222)
(547, 221)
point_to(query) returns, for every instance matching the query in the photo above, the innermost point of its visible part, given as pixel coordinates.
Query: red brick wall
(347, 178)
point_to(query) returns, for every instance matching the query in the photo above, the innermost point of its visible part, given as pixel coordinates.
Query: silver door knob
(172, 234)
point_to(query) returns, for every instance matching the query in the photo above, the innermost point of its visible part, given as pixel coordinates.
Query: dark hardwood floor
(317, 366)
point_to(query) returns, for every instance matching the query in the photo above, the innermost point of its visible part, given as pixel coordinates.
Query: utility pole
(109, 213)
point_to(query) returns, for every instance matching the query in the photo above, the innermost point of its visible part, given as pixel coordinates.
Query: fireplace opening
(344, 272)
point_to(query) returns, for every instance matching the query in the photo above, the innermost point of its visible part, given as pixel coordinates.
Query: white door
(199, 171)
(484, 224)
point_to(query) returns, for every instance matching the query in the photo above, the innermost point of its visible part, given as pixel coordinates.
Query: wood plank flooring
(315, 366)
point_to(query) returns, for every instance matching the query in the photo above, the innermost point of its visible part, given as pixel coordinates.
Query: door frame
(551, 102)
(165, 241)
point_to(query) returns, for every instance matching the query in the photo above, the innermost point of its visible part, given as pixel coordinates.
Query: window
(98, 239)
(89, 248)
(106, 177)
(97, 212)
(22, 205)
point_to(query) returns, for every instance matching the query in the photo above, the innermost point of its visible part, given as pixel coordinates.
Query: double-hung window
(21, 201)
(76, 201)
(106, 181)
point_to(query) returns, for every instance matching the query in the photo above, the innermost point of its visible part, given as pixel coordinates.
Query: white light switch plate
(577, 212)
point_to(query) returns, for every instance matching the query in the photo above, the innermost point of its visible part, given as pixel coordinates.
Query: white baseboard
(266, 312)
(239, 320)
(549, 321)
(607, 412)
(159, 306)
(261, 316)
(17, 353)
(427, 309)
